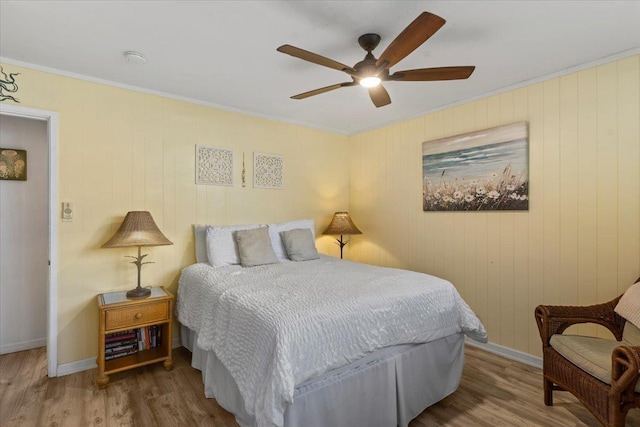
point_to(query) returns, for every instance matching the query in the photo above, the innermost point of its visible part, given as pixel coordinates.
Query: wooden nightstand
(124, 323)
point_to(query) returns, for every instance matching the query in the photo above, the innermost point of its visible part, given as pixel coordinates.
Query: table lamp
(341, 224)
(138, 229)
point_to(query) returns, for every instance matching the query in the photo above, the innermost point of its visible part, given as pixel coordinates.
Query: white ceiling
(224, 52)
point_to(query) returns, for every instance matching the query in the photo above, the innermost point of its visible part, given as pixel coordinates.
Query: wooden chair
(608, 394)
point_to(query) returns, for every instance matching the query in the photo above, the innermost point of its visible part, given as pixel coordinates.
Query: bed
(323, 342)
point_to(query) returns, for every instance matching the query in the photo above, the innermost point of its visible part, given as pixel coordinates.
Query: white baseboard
(90, 363)
(24, 345)
(508, 353)
(77, 366)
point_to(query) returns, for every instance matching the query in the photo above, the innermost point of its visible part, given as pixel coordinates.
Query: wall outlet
(67, 211)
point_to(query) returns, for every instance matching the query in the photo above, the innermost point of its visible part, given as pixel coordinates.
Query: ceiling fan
(370, 72)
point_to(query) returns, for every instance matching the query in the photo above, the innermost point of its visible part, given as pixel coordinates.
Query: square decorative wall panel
(214, 166)
(268, 171)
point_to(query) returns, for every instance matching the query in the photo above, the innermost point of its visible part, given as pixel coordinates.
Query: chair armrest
(625, 370)
(554, 319)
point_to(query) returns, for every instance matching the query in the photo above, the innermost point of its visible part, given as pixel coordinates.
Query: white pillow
(629, 305)
(276, 239)
(221, 246)
(254, 247)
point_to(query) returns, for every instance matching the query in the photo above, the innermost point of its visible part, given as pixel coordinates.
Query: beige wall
(578, 243)
(121, 150)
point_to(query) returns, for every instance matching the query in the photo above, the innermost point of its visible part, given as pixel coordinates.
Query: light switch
(67, 211)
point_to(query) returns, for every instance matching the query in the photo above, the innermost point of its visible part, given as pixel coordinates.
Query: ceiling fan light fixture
(370, 72)
(370, 81)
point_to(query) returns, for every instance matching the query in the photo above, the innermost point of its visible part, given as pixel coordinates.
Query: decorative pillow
(221, 246)
(276, 229)
(200, 238)
(629, 305)
(300, 244)
(254, 247)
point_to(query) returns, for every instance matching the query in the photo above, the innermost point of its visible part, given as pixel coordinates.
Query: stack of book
(120, 344)
(149, 337)
(126, 343)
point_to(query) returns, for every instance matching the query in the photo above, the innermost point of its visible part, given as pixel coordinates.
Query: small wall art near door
(477, 171)
(13, 164)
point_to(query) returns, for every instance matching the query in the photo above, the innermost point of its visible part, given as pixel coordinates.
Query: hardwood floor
(494, 392)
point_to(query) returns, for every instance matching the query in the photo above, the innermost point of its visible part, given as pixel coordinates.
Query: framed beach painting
(486, 170)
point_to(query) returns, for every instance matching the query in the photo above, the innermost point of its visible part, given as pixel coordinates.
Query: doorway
(24, 253)
(47, 258)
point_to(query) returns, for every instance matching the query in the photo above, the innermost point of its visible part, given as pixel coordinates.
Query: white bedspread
(278, 325)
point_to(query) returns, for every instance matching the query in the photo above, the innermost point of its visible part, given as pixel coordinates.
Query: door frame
(51, 118)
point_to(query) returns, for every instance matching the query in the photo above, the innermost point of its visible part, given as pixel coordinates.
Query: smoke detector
(135, 57)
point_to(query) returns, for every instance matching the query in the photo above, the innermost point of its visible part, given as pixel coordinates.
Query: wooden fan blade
(423, 27)
(315, 58)
(322, 90)
(379, 96)
(432, 74)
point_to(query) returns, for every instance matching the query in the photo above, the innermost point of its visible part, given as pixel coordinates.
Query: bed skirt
(386, 388)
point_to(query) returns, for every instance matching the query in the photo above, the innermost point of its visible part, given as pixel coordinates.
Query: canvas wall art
(214, 166)
(13, 164)
(486, 170)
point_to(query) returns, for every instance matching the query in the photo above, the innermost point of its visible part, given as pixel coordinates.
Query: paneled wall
(579, 243)
(121, 150)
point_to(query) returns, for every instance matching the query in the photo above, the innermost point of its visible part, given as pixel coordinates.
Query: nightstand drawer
(138, 314)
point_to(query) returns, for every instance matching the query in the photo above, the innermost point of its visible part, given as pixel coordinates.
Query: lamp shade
(137, 229)
(341, 224)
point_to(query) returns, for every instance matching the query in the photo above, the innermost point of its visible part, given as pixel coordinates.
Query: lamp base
(342, 244)
(138, 293)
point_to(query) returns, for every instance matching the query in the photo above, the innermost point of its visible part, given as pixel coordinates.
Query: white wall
(23, 239)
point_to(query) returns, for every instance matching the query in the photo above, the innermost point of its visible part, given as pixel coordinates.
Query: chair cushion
(592, 355)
